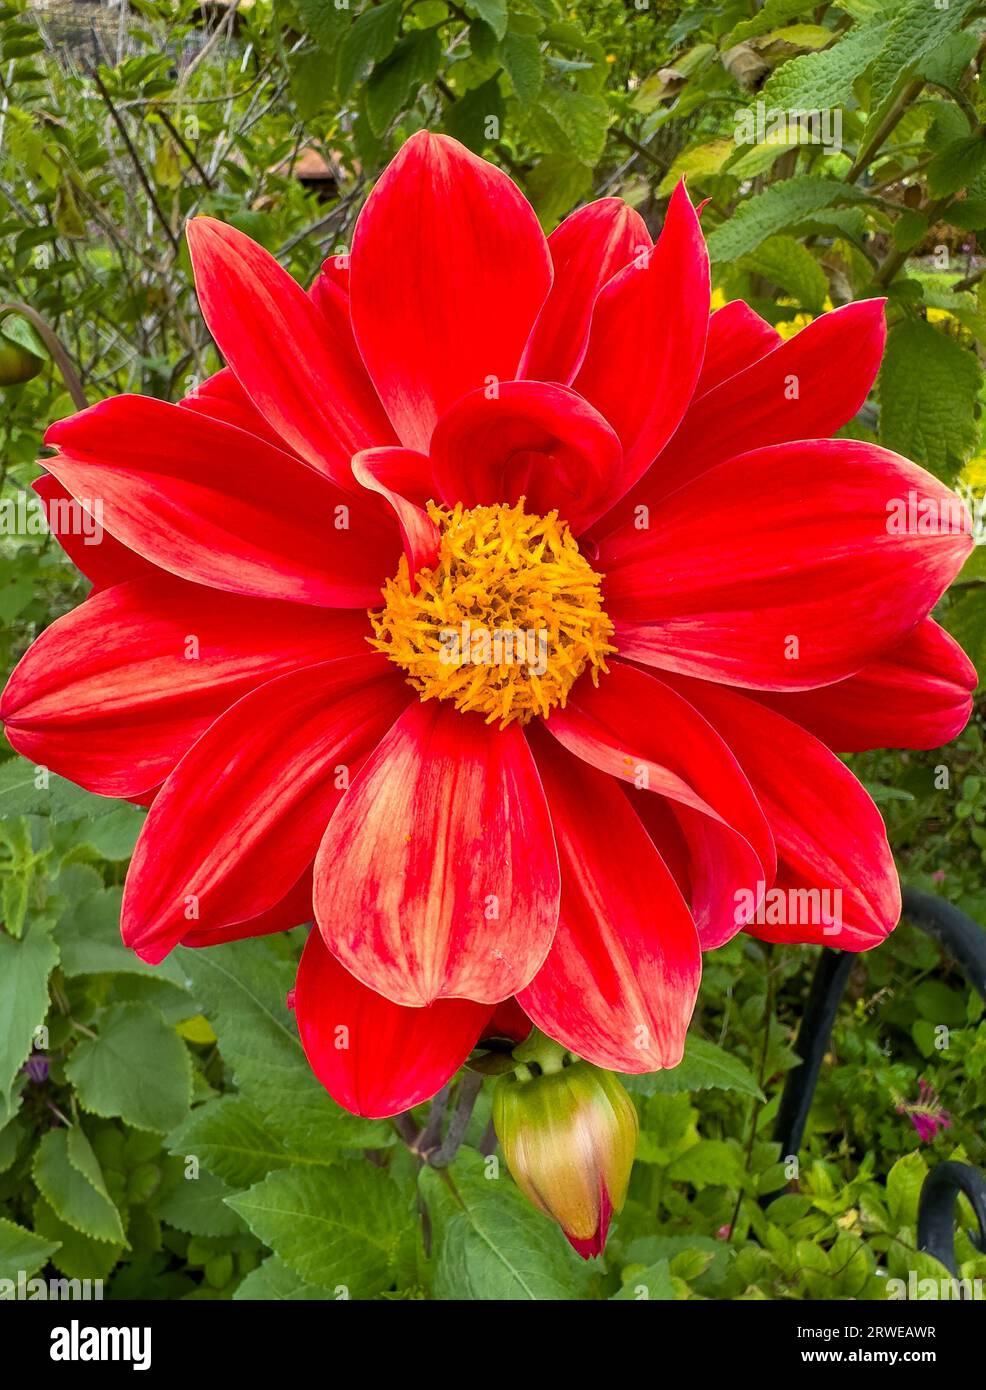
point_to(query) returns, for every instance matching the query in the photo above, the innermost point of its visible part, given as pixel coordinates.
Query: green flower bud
(17, 365)
(569, 1138)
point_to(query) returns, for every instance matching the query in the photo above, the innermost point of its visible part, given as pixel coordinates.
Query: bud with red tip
(568, 1136)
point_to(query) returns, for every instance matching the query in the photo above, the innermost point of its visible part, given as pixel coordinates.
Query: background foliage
(162, 1131)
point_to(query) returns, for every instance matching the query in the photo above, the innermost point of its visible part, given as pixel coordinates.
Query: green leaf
(958, 165)
(773, 13)
(917, 29)
(928, 388)
(653, 1283)
(70, 1179)
(790, 266)
(20, 794)
(25, 965)
(394, 81)
(494, 1246)
(555, 184)
(524, 64)
(817, 81)
(904, 1183)
(571, 123)
(89, 942)
(338, 1228)
(230, 1138)
(493, 12)
(78, 1256)
(966, 621)
(710, 1162)
(703, 1067)
(199, 1206)
(241, 988)
(368, 41)
(773, 211)
(324, 20)
(468, 119)
(137, 1068)
(274, 1281)
(22, 1251)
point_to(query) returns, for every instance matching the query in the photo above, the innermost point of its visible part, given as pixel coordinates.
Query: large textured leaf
(276, 1282)
(230, 1138)
(704, 1067)
(774, 210)
(25, 965)
(792, 268)
(928, 389)
(137, 1067)
(241, 988)
(26, 790)
(493, 1245)
(818, 81)
(88, 935)
(22, 1251)
(337, 1227)
(68, 1176)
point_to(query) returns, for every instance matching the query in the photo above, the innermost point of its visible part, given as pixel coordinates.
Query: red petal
(242, 814)
(438, 875)
(221, 507)
(449, 269)
(374, 1057)
(508, 1021)
(223, 398)
(531, 440)
(115, 692)
(807, 388)
(830, 836)
(394, 473)
(781, 570)
(86, 542)
(620, 981)
(738, 337)
(293, 910)
(648, 337)
(918, 695)
(587, 250)
(635, 728)
(274, 338)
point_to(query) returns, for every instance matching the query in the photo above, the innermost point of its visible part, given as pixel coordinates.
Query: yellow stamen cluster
(504, 622)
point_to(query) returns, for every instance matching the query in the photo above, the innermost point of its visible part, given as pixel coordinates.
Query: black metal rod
(958, 934)
(936, 1210)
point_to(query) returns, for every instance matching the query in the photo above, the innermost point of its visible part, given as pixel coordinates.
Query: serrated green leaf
(966, 621)
(241, 989)
(775, 210)
(89, 942)
(572, 123)
(493, 1245)
(324, 20)
(71, 1182)
(904, 1183)
(493, 12)
(703, 1067)
(20, 795)
(274, 1281)
(337, 1228)
(928, 388)
(77, 1256)
(468, 120)
(414, 60)
(959, 164)
(137, 1067)
(25, 965)
(230, 1138)
(22, 1251)
(370, 39)
(790, 266)
(522, 59)
(199, 1205)
(818, 81)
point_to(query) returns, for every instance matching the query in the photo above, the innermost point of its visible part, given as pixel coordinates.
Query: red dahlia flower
(627, 600)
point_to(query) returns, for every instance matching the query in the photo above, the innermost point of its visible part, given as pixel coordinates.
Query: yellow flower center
(504, 622)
